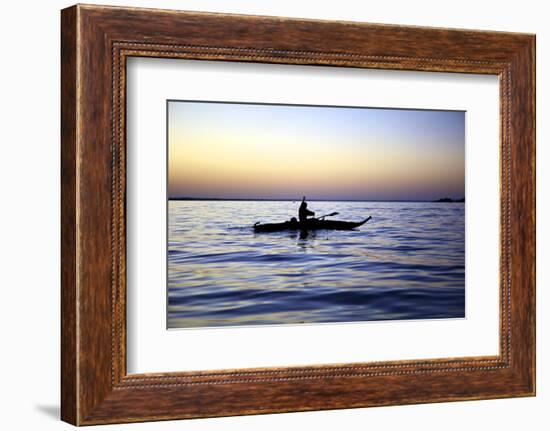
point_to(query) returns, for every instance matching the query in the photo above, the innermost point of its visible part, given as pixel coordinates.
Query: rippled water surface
(405, 263)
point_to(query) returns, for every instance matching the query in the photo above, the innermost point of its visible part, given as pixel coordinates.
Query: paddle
(326, 215)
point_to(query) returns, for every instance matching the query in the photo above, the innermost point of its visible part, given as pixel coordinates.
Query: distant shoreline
(442, 200)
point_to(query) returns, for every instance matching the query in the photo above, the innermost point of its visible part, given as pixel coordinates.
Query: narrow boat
(311, 224)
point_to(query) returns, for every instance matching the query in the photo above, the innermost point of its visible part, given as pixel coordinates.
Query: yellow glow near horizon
(216, 157)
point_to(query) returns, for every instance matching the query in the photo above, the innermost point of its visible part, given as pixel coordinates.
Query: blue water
(405, 263)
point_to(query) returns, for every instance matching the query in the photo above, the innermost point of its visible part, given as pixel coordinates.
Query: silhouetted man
(303, 212)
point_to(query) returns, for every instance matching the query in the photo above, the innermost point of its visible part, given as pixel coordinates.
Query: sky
(266, 151)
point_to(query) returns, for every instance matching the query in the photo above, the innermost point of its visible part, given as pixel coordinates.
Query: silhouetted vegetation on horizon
(450, 200)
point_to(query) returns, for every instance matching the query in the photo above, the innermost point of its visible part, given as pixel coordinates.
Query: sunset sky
(250, 151)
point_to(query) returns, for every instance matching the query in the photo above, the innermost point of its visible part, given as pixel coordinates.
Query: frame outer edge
(88, 397)
(69, 196)
(523, 179)
(533, 53)
(530, 63)
(532, 101)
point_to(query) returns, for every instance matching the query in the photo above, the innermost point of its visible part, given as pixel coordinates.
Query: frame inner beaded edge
(120, 380)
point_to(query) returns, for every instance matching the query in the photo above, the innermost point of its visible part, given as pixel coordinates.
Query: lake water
(405, 263)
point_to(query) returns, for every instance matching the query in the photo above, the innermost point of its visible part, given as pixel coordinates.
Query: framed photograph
(263, 214)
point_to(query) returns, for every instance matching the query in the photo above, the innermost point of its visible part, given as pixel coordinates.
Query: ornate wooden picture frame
(96, 41)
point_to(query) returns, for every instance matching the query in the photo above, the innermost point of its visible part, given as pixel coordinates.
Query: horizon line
(188, 198)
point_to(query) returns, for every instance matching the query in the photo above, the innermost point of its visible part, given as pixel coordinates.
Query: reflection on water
(406, 263)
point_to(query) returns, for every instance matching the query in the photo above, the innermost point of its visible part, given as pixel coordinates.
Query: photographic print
(301, 214)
